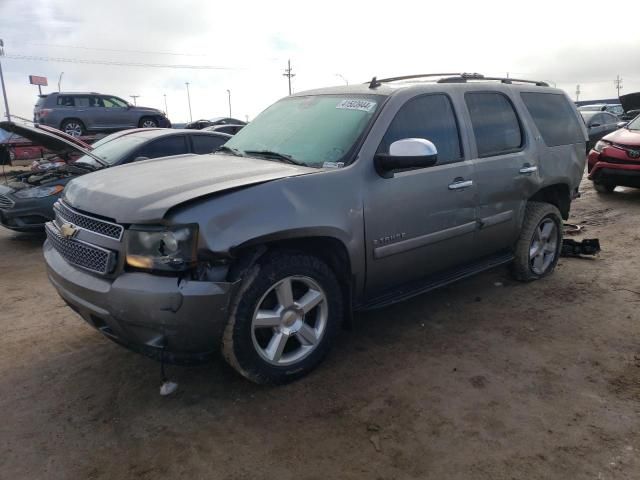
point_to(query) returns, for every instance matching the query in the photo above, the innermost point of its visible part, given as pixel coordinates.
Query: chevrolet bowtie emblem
(68, 230)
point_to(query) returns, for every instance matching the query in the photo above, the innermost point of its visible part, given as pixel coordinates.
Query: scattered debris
(375, 440)
(372, 427)
(168, 388)
(572, 229)
(571, 248)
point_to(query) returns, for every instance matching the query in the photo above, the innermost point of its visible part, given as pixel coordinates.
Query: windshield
(311, 130)
(634, 124)
(111, 151)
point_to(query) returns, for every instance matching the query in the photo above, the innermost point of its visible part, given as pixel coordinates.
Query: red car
(615, 159)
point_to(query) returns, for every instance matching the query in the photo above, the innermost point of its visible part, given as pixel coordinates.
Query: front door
(420, 221)
(115, 113)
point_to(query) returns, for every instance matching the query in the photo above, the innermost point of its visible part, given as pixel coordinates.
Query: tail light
(44, 112)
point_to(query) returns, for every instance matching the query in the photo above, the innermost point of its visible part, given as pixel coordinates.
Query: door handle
(459, 184)
(529, 169)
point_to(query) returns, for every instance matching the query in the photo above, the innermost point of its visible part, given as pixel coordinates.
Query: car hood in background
(624, 137)
(630, 101)
(143, 192)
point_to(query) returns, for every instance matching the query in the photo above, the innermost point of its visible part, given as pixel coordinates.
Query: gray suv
(330, 201)
(80, 113)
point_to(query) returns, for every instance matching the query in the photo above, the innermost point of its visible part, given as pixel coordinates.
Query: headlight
(39, 192)
(168, 249)
(600, 144)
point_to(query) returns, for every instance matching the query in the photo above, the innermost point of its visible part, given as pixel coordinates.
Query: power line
(118, 50)
(119, 64)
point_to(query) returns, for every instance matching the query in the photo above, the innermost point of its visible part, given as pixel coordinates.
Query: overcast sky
(567, 43)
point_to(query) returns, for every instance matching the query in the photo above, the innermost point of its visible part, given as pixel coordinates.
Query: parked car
(629, 115)
(200, 124)
(598, 125)
(79, 113)
(615, 160)
(26, 202)
(612, 108)
(332, 200)
(230, 129)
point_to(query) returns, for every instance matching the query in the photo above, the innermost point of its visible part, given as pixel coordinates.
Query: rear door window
(164, 147)
(495, 123)
(554, 118)
(430, 117)
(203, 144)
(65, 101)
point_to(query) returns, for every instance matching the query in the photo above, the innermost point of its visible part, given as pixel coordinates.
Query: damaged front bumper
(183, 320)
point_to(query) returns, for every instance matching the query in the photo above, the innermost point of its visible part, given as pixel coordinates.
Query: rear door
(203, 144)
(420, 221)
(505, 169)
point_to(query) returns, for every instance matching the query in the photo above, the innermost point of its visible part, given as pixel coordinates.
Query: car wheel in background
(538, 248)
(601, 187)
(148, 122)
(284, 319)
(73, 127)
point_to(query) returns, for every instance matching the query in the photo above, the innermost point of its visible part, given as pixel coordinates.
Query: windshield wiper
(276, 156)
(232, 151)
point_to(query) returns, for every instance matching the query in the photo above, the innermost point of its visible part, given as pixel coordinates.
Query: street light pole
(166, 109)
(189, 100)
(342, 77)
(229, 92)
(60, 81)
(4, 89)
(134, 99)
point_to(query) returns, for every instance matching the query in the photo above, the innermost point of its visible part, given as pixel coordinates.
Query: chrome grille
(84, 255)
(6, 202)
(101, 227)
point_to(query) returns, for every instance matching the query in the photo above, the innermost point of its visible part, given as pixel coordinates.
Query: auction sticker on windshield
(355, 104)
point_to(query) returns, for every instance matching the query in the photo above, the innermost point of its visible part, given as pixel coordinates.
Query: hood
(630, 101)
(51, 139)
(149, 110)
(623, 136)
(143, 192)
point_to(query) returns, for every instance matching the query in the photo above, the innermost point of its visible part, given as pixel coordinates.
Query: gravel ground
(485, 379)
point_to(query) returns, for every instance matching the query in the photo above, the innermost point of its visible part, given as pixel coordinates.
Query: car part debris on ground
(572, 248)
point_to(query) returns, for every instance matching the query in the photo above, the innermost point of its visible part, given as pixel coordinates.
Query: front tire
(538, 248)
(148, 122)
(284, 318)
(603, 187)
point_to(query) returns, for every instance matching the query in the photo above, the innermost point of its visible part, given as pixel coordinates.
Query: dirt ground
(486, 379)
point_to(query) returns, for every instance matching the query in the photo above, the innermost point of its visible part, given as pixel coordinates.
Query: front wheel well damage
(328, 249)
(558, 195)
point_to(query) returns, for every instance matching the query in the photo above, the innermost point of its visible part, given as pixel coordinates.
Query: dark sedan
(200, 124)
(26, 201)
(598, 125)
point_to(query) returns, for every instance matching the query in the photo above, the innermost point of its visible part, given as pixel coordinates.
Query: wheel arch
(322, 244)
(557, 194)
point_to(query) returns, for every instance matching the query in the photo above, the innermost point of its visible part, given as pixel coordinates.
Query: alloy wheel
(289, 321)
(73, 128)
(544, 246)
(149, 124)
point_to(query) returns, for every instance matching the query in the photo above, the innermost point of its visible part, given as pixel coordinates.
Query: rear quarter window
(554, 118)
(495, 123)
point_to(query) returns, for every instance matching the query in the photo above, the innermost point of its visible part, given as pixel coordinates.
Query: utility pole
(229, 93)
(287, 73)
(189, 101)
(60, 81)
(618, 84)
(577, 92)
(4, 89)
(134, 98)
(166, 109)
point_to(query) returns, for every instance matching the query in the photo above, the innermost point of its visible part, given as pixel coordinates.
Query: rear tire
(73, 127)
(148, 122)
(284, 318)
(603, 187)
(538, 248)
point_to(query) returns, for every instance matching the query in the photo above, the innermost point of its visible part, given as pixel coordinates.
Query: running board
(404, 292)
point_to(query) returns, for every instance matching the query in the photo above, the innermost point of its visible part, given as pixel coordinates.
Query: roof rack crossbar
(453, 78)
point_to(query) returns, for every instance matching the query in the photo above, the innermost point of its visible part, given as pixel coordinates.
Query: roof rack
(454, 78)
